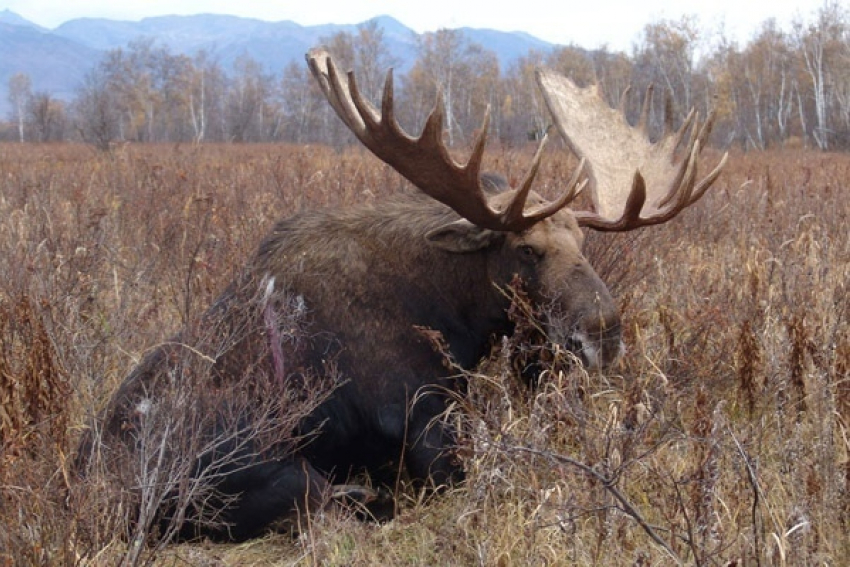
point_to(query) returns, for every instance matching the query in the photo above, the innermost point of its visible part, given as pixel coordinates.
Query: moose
(368, 279)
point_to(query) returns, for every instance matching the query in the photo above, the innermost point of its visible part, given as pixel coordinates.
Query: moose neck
(474, 309)
(447, 292)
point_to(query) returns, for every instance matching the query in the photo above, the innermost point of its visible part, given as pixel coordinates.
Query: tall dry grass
(720, 439)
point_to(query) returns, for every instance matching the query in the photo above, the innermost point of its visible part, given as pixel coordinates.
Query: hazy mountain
(54, 64)
(56, 60)
(508, 47)
(183, 34)
(274, 44)
(9, 17)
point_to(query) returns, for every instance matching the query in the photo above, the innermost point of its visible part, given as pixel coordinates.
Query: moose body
(371, 284)
(376, 277)
(373, 281)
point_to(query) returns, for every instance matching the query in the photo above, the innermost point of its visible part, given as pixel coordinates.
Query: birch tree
(20, 92)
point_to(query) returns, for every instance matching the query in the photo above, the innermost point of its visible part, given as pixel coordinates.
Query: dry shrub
(32, 387)
(33, 438)
(720, 439)
(124, 249)
(214, 401)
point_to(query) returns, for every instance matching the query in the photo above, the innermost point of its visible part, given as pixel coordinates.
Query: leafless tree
(822, 45)
(455, 66)
(20, 92)
(96, 111)
(47, 116)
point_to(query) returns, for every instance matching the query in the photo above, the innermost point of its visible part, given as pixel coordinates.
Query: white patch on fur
(269, 291)
(144, 406)
(299, 306)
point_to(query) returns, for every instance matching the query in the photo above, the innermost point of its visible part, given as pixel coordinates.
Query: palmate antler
(425, 161)
(625, 169)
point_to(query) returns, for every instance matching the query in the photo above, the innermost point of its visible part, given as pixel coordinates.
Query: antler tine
(680, 194)
(624, 99)
(432, 132)
(345, 106)
(631, 210)
(691, 118)
(706, 128)
(676, 185)
(477, 156)
(574, 188)
(643, 123)
(425, 161)
(387, 97)
(703, 186)
(570, 193)
(668, 113)
(517, 205)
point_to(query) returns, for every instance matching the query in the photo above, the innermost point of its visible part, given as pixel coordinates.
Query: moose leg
(429, 451)
(375, 504)
(270, 494)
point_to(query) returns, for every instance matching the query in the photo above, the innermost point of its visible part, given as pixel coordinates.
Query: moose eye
(529, 253)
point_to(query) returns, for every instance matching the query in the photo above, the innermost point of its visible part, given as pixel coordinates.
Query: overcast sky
(587, 23)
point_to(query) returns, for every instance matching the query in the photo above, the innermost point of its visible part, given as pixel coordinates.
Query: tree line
(781, 87)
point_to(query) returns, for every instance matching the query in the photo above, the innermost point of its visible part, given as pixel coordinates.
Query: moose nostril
(597, 352)
(598, 340)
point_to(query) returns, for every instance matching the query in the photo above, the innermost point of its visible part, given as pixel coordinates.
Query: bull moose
(366, 281)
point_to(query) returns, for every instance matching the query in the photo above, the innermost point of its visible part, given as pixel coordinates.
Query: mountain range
(56, 60)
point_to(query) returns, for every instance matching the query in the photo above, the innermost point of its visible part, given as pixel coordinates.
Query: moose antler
(625, 169)
(425, 161)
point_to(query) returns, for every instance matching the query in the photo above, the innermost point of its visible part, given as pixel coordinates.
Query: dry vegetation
(722, 438)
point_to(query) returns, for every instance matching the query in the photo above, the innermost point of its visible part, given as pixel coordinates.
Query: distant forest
(784, 87)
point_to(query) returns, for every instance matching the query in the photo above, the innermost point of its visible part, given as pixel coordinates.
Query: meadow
(720, 439)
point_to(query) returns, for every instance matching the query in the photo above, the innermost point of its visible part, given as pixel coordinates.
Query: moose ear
(461, 236)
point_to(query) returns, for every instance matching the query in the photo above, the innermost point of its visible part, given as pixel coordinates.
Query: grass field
(721, 439)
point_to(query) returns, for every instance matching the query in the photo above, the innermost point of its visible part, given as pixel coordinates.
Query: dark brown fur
(369, 278)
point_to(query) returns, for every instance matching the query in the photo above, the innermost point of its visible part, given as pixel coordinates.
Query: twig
(751, 476)
(609, 485)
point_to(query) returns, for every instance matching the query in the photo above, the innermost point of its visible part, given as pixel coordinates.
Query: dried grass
(721, 439)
